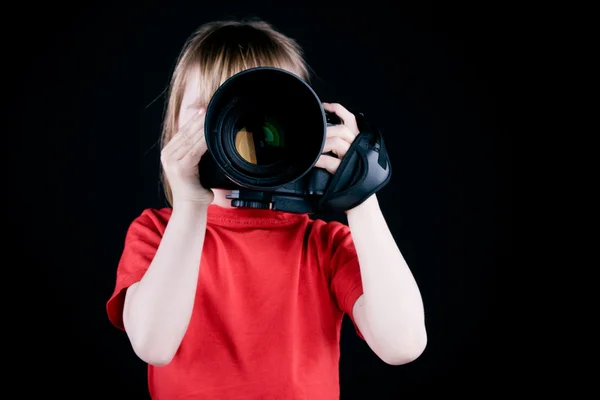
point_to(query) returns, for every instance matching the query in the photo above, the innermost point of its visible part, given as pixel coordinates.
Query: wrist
(190, 207)
(368, 206)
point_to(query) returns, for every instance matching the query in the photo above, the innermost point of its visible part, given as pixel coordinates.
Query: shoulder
(151, 221)
(329, 231)
(158, 216)
(332, 242)
(330, 225)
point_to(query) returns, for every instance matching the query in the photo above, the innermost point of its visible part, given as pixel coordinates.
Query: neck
(220, 199)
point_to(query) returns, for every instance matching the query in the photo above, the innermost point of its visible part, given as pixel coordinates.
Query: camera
(265, 129)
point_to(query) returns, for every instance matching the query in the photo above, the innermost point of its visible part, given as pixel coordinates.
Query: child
(228, 303)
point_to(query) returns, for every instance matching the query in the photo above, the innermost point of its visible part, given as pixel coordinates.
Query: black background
(84, 84)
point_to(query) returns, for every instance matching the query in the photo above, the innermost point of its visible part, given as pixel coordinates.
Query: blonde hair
(219, 50)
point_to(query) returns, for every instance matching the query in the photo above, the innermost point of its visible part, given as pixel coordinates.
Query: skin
(158, 309)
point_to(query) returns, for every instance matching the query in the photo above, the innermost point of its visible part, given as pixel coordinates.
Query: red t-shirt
(272, 290)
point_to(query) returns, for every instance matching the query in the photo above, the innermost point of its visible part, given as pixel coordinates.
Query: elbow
(153, 353)
(153, 356)
(406, 352)
(152, 348)
(157, 360)
(405, 356)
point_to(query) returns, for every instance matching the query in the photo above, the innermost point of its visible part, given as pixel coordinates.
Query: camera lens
(265, 127)
(260, 141)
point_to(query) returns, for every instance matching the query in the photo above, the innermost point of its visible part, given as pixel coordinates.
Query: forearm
(393, 307)
(158, 308)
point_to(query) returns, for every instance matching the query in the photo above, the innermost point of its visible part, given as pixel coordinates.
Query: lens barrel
(265, 127)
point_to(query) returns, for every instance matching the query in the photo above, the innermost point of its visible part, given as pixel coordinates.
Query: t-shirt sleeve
(346, 281)
(141, 242)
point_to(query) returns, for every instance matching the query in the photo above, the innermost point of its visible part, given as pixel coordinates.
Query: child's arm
(158, 308)
(390, 312)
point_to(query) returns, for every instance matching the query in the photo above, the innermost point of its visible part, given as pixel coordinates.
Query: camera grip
(318, 182)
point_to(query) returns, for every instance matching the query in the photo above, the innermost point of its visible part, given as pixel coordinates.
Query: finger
(193, 124)
(192, 127)
(186, 146)
(173, 144)
(337, 145)
(185, 137)
(329, 163)
(192, 157)
(177, 147)
(347, 117)
(341, 131)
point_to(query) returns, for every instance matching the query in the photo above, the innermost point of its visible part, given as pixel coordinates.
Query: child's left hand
(339, 138)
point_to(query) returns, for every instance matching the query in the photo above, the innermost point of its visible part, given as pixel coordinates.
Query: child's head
(215, 52)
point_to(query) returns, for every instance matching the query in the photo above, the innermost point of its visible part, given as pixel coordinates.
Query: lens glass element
(260, 142)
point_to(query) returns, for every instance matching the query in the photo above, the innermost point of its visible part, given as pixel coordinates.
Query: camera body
(265, 129)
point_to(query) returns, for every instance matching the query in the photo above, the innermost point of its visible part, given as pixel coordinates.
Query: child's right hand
(180, 159)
